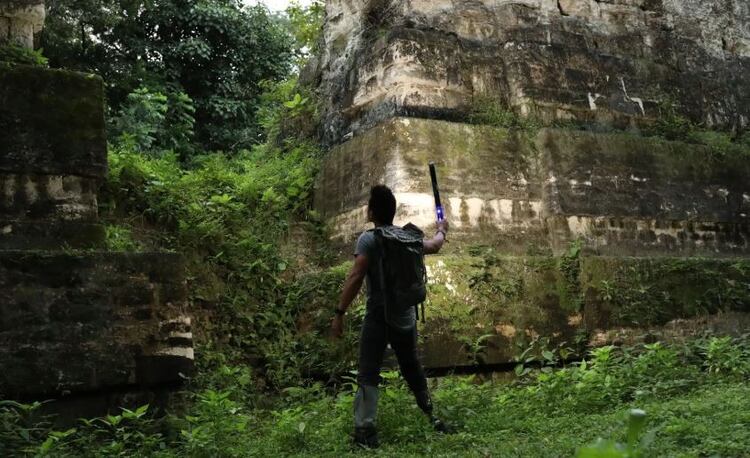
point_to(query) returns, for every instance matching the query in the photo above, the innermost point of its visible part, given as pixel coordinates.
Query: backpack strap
(381, 269)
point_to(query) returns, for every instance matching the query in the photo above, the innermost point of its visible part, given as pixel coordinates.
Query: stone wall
(20, 21)
(487, 309)
(88, 328)
(614, 62)
(620, 193)
(574, 225)
(76, 323)
(53, 158)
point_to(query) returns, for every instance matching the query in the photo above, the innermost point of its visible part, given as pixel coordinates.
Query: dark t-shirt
(367, 245)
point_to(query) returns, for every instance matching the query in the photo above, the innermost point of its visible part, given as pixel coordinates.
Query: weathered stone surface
(485, 308)
(629, 292)
(618, 193)
(80, 323)
(594, 61)
(489, 179)
(50, 235)
(399, 79)
(60, 197)
(488, 310)
(52, 122)
(20, 20)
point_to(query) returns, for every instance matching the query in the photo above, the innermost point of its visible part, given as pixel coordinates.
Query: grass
(696, 398)
(697, 423)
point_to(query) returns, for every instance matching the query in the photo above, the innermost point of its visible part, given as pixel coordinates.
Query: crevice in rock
(560, 8)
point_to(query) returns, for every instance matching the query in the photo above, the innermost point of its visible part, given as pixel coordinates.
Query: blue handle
(440, 214)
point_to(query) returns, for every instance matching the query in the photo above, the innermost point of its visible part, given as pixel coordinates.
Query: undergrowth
(16, 54)
(240, 220)
(683, 395)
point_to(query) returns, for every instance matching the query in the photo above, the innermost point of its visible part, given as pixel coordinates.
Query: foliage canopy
(217, 52)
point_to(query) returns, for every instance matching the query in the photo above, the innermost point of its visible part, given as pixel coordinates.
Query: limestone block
(618, 193)
(80, 323)
(593, 61)
(50, 235)
(632, 292)
(20, 20)
(584, 8)
(490, 181)
(52, 122)
(70, 198)
(483, 309)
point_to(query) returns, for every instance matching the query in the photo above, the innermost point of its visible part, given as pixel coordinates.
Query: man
(382, 326)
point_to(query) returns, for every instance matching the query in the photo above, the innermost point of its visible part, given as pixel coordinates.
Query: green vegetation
(686, 393)
(20, 55)
(217, 52)
(645, 291)
(120, 238)
(306, 23)
(493, 111)
(229, 216)
(213, 155)
(671, 125)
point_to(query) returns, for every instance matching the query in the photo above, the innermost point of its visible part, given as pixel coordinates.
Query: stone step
(50, 235)
(66, 197)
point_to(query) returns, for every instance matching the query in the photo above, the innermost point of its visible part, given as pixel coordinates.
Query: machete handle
(436, 193)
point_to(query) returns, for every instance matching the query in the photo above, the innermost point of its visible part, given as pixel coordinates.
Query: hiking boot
(439, 426)
(366, 437)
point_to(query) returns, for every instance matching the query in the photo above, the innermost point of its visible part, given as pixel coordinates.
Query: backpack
(402, 269)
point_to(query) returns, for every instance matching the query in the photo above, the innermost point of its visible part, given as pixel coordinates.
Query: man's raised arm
(433, 245)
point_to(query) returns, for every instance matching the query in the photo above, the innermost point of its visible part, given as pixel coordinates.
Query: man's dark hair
(382, 203)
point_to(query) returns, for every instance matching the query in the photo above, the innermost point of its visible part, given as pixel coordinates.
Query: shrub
(21, 55)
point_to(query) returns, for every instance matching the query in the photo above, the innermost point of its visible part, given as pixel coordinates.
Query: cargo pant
(376, 334)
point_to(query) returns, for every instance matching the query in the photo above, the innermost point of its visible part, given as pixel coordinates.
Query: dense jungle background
(213, 153)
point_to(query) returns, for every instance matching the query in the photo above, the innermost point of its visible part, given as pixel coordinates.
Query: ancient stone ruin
(578, 222)
(77, 324)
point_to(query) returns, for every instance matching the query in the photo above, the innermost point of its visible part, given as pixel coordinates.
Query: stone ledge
(50, 235)
(66, 197)
(644, 291)
(499, 305)
(115, 319)
(52, 122)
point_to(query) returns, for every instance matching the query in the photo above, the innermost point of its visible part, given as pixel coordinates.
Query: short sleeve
(365, 244)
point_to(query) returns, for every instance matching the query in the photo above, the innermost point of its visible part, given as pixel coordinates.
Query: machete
(436, 193)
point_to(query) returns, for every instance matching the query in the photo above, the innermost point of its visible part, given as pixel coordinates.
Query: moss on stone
(653, 291)
(491, 307)
(52, 122)
(486, 308)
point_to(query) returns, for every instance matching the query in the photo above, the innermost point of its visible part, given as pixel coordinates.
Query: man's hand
(337, 326)
(433, 245)
(442, 225)
(352, 284)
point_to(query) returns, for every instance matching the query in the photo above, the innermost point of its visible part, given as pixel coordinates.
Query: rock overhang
(612, 62)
